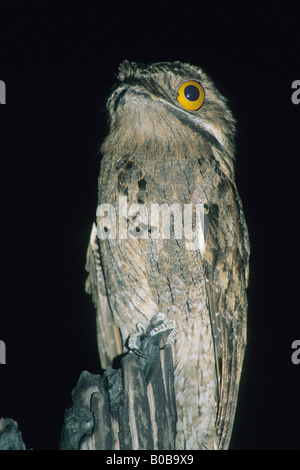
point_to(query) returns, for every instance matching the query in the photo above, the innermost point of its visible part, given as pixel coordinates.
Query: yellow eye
(191, 95)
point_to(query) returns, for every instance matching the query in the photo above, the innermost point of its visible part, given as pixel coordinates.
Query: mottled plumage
(158, 152)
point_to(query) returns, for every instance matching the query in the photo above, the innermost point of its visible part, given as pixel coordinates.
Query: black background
(58, 63)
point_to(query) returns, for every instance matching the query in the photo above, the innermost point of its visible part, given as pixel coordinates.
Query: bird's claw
(158, 324)
(163, 324)
(134, 340)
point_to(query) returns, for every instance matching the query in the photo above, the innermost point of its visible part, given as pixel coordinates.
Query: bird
(171, 240)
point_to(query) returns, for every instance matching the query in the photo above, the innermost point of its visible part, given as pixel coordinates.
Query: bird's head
(168, 107)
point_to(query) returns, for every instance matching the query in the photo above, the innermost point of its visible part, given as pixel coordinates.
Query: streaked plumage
(158, 152)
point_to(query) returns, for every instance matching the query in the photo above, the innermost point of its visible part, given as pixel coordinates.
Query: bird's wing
(108, 335)
(226, 262)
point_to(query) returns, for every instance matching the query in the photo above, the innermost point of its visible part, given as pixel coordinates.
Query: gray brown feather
(109, 341)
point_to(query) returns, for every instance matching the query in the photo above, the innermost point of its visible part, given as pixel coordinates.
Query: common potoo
(172, 238)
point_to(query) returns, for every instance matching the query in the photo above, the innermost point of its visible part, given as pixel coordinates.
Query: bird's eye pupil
(191, 93)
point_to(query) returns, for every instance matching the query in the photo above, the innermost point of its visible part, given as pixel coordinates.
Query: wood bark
(131, 408)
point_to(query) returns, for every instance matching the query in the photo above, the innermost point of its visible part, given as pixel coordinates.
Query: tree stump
(10, 436)
(131, 408)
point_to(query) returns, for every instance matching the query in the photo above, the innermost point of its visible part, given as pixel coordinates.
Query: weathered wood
(79, 421)
(132, 408)
(164, 399)
(10, 436)
(135, 423)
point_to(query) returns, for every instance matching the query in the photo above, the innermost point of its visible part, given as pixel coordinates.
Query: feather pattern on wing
(109, 340)
(227, 256)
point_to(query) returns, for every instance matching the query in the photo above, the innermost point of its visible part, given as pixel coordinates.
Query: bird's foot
(134, 340)
(158, 324)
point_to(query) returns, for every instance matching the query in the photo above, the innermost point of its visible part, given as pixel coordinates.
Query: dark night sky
(58, 64)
